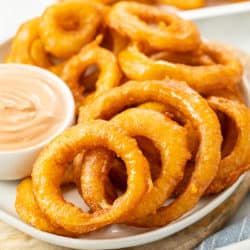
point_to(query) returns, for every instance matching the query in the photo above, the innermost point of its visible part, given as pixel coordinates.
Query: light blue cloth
(229, 235)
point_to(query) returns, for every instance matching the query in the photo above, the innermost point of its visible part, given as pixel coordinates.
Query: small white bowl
(17, 164)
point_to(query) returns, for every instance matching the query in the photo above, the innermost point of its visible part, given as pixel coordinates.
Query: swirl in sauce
(32, 109)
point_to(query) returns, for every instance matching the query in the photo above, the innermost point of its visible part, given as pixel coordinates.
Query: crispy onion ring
(171, 141)
(50, 167)
(225, 73)
(195, 108)
(235, 156)
(27, 47)
(185, 5)
(67, 26)
(28, 209)
(173, 33)
(108, 78)
(236, 163)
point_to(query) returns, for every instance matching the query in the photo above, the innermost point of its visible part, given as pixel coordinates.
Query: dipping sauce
(32, 108)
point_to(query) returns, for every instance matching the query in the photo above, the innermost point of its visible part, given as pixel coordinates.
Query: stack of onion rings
(140, 142)
(186, 101)
(172, 168)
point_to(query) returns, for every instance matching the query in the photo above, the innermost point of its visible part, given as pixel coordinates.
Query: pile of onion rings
(159, 110)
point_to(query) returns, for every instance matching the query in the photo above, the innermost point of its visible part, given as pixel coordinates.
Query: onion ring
(67, 26)
(237, 161)
(167, 136)
(225, 74)
(195, 108)
(173, 33)
(109, 76)
(28, 209)
(29, 50)
(235, 152)
(50, 167)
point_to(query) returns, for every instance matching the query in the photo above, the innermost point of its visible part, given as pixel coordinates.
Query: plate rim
(215, 11)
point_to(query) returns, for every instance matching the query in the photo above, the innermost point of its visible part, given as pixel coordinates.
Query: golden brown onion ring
(67, 26)
(167, 32)
(50, 166)
(27, 47)
(28, 209)
(237, 161)
(235, 151)
(91, 54)
(224, 74)
(194, 108)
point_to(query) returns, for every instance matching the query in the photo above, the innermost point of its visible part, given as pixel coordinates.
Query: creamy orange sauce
(32, 109)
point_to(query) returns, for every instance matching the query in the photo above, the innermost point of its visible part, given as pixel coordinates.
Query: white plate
(215, 11)
(111, 237)
(224, 9)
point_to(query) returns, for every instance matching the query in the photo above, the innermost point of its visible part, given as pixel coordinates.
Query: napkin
(237, 232)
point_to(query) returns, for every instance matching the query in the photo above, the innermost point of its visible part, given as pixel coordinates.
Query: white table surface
(234, 29)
